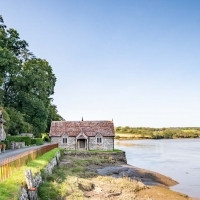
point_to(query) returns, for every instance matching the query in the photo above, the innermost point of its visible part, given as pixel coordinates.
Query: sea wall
(30, 191)
(115, 156)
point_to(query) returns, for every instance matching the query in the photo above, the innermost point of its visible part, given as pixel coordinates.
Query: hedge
(25, 139)
(37, 141)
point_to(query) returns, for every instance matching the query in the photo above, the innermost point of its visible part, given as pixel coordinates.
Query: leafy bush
(25, 139)
(45, 137)
(37, 141)
(17, 123)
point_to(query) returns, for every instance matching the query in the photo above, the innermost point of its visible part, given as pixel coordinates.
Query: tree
(52, 116)
(10, 62)
(32, 90)
(26, 85)
(17, 123)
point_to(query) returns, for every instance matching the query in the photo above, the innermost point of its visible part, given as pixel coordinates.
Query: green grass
(65, 180)
(72, 181)
(10, 189)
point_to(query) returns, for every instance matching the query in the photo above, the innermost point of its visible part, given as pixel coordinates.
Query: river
(176, 158)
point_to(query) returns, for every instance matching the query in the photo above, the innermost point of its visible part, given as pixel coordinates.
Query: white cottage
(83, 135)
(2, 132)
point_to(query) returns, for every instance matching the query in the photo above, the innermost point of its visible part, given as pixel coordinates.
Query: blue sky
(136, 62)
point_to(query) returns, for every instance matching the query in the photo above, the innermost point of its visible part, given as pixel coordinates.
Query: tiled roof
(89, 128)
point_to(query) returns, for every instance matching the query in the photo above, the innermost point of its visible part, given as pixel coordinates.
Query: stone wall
(71, 142)
(2, 132)
(56, 140)
(107, 143)
(1, 129)
(27, 194)
(115, 156)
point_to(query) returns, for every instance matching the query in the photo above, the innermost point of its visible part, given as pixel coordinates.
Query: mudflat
(105, 177)
(156, 186)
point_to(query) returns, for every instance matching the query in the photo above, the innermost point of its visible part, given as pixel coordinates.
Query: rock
(31, 194)
(65, 163)
(113, 194)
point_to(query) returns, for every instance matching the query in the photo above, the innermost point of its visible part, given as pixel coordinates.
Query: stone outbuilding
(2, 132)
(83, 135)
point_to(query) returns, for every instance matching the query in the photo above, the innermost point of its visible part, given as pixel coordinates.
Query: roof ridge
(87, 121)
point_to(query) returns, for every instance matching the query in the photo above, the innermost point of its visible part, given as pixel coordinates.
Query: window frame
(99, 140)
(64, 140)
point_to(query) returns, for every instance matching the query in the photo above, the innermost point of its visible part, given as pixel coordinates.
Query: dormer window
(64, 140)
(99, 140)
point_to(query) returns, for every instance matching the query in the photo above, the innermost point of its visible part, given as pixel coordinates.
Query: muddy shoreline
(147, 177)
(156, 184)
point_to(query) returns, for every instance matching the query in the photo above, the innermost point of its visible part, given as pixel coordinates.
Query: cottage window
(99, 140)
(64, 140)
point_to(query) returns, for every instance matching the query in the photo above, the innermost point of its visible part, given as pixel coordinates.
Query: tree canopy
(26, 85)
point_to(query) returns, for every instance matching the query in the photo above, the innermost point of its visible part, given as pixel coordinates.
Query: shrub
(37, 141)
(45, 137)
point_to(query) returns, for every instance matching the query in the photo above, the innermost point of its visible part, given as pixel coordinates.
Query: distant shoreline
(156, 133)
(134, 138)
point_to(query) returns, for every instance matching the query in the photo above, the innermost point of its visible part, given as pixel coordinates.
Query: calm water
(176, 158)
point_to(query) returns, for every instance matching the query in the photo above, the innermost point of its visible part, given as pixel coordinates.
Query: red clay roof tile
(89, 128)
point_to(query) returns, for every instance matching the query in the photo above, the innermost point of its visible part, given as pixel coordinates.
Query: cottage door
(82, 143)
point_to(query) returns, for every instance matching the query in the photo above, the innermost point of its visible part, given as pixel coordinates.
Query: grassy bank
(76, 179)
(10, 189)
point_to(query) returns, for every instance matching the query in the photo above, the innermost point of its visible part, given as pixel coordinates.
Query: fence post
(9, 166)
(7, 173)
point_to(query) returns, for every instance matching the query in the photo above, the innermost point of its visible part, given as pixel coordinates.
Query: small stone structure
(30, 193)
(83, 135)
(17, 145)
(2, 132)
(112, 156)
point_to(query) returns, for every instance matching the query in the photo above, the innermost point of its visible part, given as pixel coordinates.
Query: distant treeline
(157, 133)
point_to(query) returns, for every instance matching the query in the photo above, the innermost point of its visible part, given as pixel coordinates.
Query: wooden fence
(10, 165)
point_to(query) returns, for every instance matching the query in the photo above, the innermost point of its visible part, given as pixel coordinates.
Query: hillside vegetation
(156, 133)
(26, 86)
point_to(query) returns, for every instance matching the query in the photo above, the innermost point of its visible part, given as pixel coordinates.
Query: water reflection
(177, 158)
